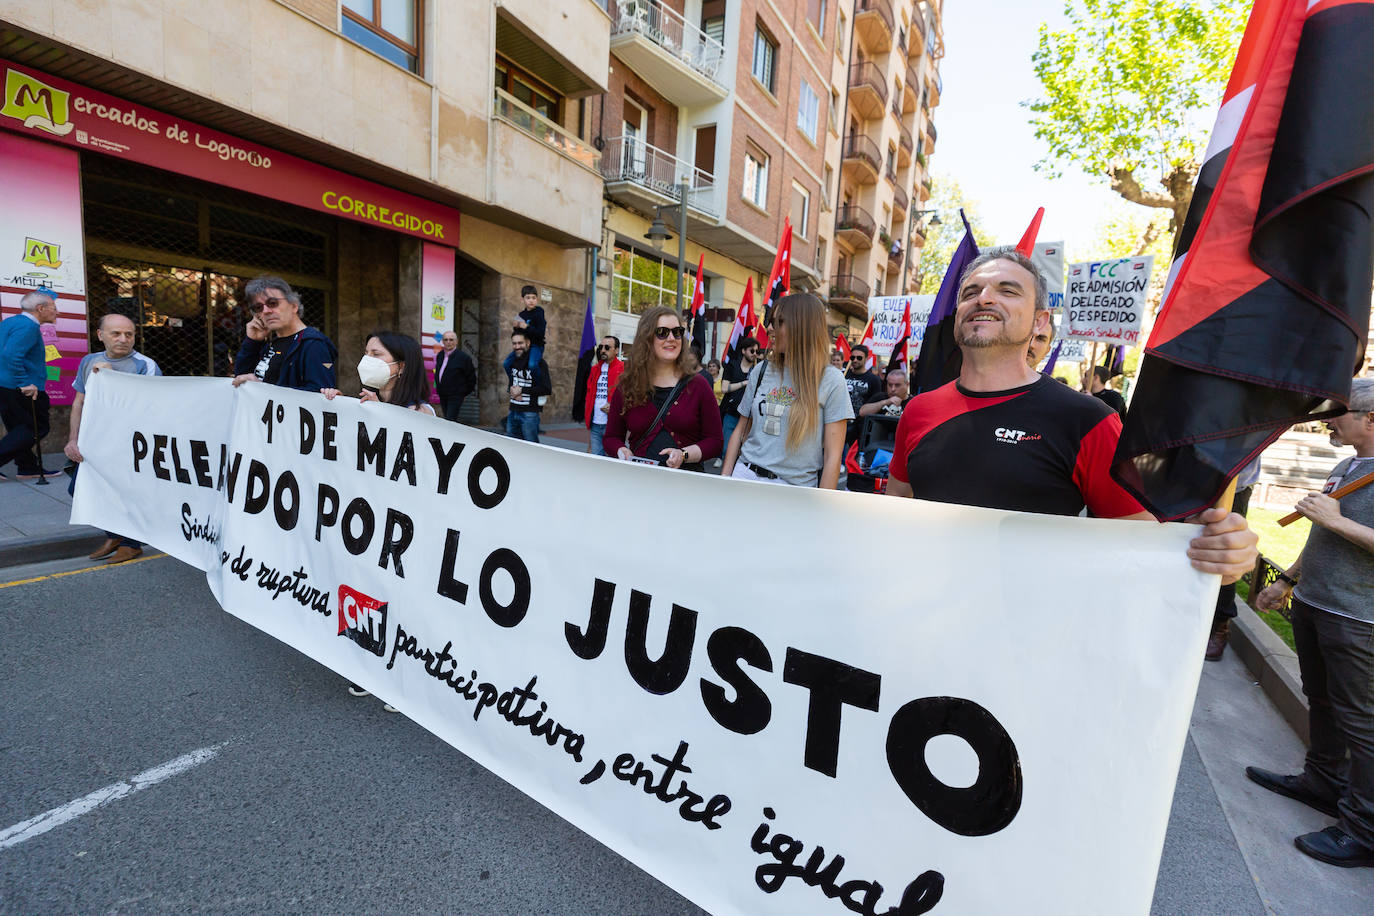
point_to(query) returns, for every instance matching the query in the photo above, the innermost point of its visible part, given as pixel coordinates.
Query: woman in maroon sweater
(658, 366)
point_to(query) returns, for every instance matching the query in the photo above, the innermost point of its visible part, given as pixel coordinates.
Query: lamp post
(658, 234)
(916, 216)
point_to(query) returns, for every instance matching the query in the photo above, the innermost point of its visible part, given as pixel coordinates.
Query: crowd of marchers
(1001, 435)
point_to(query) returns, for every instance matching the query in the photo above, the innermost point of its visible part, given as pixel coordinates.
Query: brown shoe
(105, 549)
(1216, 643)
(125, 554)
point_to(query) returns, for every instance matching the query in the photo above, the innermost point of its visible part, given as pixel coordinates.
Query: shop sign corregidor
(42, 106)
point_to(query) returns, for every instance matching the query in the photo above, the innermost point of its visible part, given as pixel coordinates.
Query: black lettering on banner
(360, 510)
(448, 585)
(372, 450)
(405, 460)
(307, 431)
(258, 488)
(328, 450)
(445, 458)
(160, 457)
(140, 447)
(326, 508)
(270, 412)
(692, 809)
(833, 685)
(232, 477)
(286, 516)
(484, 459)
(748, 713)
(399, 531)
(978, 810)
(223, 465)
(200, 460)
(178, 471)
(590, 644)
(505, 615)
(667, 673)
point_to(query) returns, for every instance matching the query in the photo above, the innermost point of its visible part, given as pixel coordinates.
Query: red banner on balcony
(48, 108)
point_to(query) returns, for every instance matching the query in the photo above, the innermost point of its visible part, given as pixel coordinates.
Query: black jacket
(454, 376)
(534, 383)
(307, 366)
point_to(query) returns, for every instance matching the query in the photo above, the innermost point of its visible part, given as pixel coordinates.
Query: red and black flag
(745, 325)
(1266, 310)
(698, 310)
(842, 344)
(780, 277)
(898, 359)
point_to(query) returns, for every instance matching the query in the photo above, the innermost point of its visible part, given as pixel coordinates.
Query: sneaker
(389, 708)
(355, 690)
(44, 473)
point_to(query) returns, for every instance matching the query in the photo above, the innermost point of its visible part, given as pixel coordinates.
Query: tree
(933, 258)
(1131, 89)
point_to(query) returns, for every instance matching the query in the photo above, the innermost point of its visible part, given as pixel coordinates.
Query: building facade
(301, 138)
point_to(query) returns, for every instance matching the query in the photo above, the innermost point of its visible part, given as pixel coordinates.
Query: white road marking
(42, 823)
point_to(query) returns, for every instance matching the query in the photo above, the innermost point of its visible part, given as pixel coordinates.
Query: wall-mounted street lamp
(658, 233)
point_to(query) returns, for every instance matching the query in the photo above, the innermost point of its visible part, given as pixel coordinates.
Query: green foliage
(933, 258)
(1131, 89)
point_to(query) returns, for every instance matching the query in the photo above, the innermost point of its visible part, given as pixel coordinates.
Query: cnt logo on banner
(747, 733)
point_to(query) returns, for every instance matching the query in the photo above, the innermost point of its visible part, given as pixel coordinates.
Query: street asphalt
(296, 797)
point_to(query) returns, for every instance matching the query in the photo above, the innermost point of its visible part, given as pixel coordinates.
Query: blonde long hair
(634, 385)
(807, 358)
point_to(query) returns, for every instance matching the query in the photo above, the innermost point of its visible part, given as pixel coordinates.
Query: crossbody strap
(649, 435)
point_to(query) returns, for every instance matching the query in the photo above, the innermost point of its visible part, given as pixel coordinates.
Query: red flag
(780, 277)
(898, 358)
(745, 321)
(842, 344)
(1266, 311)
(1027, 244)
(698, 310)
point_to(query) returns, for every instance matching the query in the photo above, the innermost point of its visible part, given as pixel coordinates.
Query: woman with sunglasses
(392, 371)
(795, 407)
(662, 410)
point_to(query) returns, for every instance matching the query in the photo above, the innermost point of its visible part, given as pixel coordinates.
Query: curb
(80, 541)
(1273, 664)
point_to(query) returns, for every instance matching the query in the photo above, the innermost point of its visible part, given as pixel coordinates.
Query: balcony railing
(904, 136)
(516, 113)
(666, 28)
(851, 218)
(848, 286)
(882, 7)
(899, 200)
(866, 74)
(930, 129)
(897, 106)
(857, 146)
(631, 159)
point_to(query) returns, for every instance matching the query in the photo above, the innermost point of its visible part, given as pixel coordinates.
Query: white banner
(1106, 299)
(1049, 257)
(886, 312)
(749, 726)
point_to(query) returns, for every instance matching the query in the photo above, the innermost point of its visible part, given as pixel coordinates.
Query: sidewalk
(34, 527)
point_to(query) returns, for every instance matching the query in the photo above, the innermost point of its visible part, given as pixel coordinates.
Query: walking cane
(37, 441)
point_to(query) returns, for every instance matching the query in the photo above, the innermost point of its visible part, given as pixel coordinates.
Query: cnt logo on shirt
(363, 620)
(1014, 436)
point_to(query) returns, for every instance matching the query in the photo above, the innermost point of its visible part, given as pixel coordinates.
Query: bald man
(118, 334)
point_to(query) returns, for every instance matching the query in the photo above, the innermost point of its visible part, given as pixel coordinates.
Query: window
(529, 90)
(831, 115)
(715, 28)
(386, 28)
(825, 188)
(801, 209)
(820, 256)
(765, 55)
(641, 280)
(808, 111)
(815, 14)
(756, 178)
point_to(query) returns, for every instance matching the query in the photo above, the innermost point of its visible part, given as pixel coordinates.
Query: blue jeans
(598, 430)
(523, 424)
(727, 428)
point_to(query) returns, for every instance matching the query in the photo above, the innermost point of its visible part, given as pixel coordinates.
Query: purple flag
(940, 356)
(588, 332)
(1054, 358)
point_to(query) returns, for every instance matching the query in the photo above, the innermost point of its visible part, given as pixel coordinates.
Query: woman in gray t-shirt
(795, 405)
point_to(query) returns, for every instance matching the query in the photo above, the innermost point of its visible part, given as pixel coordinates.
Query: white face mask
(374, 373)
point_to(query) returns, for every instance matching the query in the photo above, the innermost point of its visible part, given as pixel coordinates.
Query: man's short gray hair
(1008, 253)
(33, 300)
(1362, 394)
(265, 282)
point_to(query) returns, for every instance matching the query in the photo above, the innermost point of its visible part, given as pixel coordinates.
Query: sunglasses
(270, 302)
(677, 332)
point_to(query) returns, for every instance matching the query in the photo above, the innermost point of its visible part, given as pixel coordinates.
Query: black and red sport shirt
(1039, 448)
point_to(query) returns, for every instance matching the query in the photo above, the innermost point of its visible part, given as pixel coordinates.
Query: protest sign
(747, 732)
(1049, 258)
(1106, 299)
(886, 313)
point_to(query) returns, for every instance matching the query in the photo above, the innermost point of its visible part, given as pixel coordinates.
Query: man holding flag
(1003, 436)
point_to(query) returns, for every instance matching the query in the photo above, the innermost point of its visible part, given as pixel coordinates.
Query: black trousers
(449, 407)
(1226, 598)
(26, 422)
(1336, 657)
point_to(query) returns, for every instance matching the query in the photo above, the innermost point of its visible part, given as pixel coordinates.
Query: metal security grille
(174, 255)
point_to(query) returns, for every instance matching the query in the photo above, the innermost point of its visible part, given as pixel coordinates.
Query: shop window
(388, 28)
(641, 280)
(756, 178)
(765, 57)
(808, 111)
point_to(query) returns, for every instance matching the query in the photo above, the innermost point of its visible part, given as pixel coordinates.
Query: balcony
(867, 90)
(516, 113)
(644, 177)
(911, 92)
(916, 41)
(849, 294)
(904, 145)
(855, 226)
(899, 200)
(861, 161)
(678, 59)
(936, 84)
(930, 131)
(873, 25)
